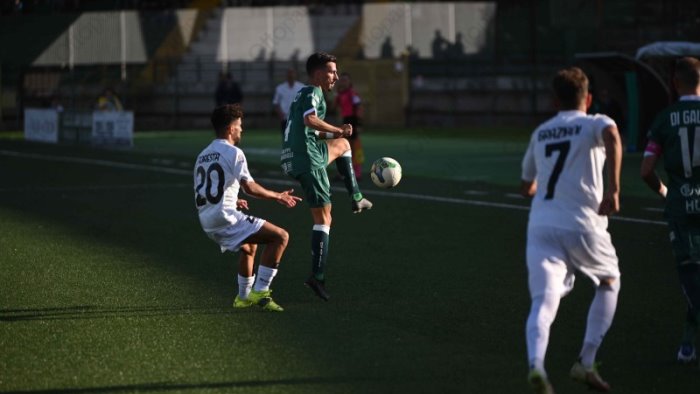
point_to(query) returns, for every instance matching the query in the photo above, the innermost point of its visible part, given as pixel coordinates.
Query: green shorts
(685, 240)
(317, 188)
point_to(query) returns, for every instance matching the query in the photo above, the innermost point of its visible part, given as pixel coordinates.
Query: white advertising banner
(41, 125)
(112, 128)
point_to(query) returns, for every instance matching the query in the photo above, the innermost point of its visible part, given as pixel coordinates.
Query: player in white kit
(220, 170)
(567, 231)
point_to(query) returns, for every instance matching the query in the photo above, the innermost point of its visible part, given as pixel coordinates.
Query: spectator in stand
(109, 101)
(439, 46)
(228, 91)
(284, 95)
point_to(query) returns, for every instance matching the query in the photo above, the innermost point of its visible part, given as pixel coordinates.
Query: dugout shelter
(640, 90)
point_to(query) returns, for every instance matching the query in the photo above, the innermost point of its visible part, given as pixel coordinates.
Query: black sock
(344, 165)
(319, 250)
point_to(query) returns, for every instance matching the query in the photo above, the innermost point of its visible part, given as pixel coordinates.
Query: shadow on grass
(97, 312)
(164, 386)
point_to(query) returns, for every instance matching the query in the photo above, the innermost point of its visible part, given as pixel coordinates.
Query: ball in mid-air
(386, 172)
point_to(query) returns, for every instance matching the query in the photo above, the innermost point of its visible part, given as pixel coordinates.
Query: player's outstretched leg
(275, 240)
(246, 277)
(345, 168)
(689, 275)
(339, 150)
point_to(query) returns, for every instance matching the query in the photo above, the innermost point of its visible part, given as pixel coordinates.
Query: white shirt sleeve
(242, 164)
(529, 168)
(599, 124)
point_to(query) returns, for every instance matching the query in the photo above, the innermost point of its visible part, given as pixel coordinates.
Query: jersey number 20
(563, 149)
(204, 180)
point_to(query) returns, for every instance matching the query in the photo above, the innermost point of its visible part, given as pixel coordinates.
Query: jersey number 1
(205, 179)
(563, 149)
(685, 150)
(286, 130)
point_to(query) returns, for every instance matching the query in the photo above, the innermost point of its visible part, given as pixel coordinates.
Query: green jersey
(675, 134)
(302, 150)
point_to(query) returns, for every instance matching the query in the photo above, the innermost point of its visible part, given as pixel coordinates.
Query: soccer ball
(385, 172)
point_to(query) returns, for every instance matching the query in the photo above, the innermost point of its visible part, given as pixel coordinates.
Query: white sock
(265, 277)
(600, 317)
(538, 365)
(244, 286)
(544, 309)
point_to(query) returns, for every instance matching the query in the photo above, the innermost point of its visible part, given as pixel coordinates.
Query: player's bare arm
(613, 153)
(528, 184)
(314, 122)
(649, 175)
(285, 198)
(528, 188)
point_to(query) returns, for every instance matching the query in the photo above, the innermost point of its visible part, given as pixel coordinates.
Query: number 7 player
(567, 230)
(220, 171)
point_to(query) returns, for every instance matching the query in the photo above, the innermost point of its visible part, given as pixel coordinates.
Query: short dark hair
(570, 87)
(318, 60)
(687, 72)
(223, 116)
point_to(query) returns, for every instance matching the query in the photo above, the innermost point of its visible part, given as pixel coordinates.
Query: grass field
(108, 285)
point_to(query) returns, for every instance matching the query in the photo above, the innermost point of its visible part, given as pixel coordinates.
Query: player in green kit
(675, 135)
(309, 145)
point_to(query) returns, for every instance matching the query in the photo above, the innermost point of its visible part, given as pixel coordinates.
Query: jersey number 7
(563, 149)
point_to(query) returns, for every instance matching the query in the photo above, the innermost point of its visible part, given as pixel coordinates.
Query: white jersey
(566, 157)
(285, 94)
(218, 171)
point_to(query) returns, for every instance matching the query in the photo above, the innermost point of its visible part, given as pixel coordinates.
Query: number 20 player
(567, 231)
(220, 171)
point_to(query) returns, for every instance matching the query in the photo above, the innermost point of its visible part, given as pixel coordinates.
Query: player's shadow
(166, 386)
(98, 312)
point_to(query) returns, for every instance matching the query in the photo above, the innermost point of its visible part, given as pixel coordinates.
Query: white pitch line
(475, 192)
(104, 163)
(411, 196)
(134, 186)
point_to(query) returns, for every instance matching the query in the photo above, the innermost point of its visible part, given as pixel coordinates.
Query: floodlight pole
(1, 101)
(71, 61)
(122, 31)
(224, 42)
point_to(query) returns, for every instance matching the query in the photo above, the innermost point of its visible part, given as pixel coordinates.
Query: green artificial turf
(108, 284)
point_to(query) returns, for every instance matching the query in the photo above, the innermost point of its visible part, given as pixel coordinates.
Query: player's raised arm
(256, 190)
(314, 122)
(613, 162)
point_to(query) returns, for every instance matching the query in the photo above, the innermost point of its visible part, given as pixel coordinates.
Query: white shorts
(231, 237)
(553, 255)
